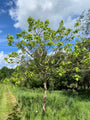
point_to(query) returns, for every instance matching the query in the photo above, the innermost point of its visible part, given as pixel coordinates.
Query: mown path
(8, 104)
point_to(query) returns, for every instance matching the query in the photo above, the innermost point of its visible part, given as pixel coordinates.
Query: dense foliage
(5, 73)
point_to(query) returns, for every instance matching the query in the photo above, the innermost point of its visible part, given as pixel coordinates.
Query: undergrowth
(61, 105)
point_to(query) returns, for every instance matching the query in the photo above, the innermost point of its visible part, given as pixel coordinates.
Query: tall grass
(60, 105)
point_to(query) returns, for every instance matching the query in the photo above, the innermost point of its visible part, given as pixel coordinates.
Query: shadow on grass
(16, 114)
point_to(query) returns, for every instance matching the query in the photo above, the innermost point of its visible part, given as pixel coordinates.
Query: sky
(14, 13)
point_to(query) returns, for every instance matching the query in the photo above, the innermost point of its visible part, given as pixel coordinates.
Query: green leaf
(50, 42)
(76, 24)
(60, 44)
(77, 69)
(77, 79)
(60, 74)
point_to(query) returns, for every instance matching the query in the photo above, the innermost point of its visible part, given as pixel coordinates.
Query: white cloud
(54, 10)
(2, 11)
(1, 31)
(3, 62)
(9, 3)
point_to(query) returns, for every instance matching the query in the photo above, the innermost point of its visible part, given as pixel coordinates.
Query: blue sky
(6, 25)
(14, 13)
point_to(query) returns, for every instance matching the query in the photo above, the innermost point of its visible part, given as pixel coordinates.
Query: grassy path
(7, 102)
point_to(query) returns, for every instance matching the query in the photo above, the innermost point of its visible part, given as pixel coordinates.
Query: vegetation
(5, 73)
(61, 105)
(50, 60)
(6, 102)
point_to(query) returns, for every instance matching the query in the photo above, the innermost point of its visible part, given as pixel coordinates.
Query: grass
(5, 106)
(2, 102)
(61, 105)
(7, 103)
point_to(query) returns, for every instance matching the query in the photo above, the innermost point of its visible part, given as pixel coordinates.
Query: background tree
(84, 25)
(5, 73)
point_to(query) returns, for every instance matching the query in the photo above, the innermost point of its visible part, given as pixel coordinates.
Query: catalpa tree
(40, 43)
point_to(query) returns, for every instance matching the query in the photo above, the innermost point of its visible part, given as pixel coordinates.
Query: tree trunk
(45, 96)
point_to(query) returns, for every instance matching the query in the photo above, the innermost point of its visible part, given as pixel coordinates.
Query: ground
(8, 103)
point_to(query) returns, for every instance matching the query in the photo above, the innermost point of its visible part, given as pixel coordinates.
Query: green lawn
(60, 105)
